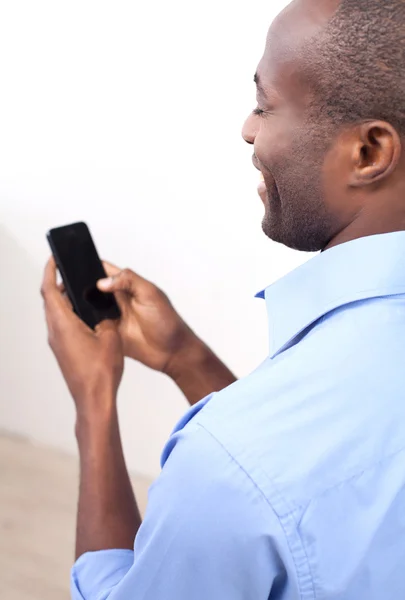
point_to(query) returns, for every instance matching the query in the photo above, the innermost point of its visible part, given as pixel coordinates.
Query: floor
(38, 493)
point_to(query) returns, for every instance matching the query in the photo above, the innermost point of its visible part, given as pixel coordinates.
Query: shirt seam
(383, 292)
(356, 475)
(279, 519)
(344, 300)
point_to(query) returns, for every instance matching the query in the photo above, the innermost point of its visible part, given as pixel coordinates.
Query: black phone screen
(80, 267)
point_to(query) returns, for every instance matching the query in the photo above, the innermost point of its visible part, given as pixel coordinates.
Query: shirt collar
(369, 267)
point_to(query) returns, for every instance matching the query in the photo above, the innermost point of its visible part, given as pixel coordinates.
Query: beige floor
(38, 493)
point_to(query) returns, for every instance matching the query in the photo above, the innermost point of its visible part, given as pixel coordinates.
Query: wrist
(198, 372)
(95, 419)
(190, 358)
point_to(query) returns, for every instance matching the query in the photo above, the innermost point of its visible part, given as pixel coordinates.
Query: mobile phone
(80, 267)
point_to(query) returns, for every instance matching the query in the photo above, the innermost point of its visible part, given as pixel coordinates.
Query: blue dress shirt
(289, 484)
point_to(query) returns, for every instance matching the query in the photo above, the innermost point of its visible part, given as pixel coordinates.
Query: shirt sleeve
(208, 533)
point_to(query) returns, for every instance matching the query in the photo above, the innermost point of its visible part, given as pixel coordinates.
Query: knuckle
(153, 290)
(126, 277)
(126, 274)
(150, 292)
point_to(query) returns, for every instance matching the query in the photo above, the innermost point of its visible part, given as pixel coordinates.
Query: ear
(375, 153)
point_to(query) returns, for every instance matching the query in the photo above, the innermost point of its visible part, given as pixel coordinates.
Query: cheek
(335, 187)
(273, 144)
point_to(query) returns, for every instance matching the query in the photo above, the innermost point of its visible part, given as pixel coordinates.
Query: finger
(55, 303)
(106, 326)
(111, 269)
(63, 292)
(125, 281)
(49, 279)
(50, 289)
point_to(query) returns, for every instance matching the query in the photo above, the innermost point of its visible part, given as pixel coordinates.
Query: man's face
(290, 149)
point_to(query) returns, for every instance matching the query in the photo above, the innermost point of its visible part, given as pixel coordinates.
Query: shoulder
(321, 412)
(200, 464)
(309, 440)
(206, 491)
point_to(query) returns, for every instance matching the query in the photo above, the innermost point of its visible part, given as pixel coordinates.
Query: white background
(128, 115)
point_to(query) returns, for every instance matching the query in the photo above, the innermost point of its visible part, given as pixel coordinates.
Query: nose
(250, 129)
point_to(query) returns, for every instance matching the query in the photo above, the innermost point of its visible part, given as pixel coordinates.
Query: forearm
(108, 516)
(198, 372)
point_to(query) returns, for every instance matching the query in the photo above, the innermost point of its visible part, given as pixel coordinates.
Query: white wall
(128, 115)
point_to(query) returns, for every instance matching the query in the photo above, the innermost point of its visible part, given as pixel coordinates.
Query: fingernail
(105, 284)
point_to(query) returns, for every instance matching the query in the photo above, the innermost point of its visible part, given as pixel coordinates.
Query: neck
(386, 217)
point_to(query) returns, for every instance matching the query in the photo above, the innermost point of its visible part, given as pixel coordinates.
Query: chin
(272, 223)
(289, 235)
(296, 222)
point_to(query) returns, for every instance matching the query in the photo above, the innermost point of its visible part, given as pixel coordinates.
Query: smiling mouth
(261, 188)
(255, 163)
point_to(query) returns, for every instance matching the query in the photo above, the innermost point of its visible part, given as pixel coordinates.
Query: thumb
(106, 326)
(106, 285)
(124, 281)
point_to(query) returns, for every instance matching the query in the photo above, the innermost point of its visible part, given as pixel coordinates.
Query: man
(290, 483)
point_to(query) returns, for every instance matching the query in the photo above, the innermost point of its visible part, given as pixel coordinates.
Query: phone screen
(80, 267)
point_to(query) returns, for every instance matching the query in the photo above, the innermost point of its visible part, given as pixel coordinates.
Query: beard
(296, 214)
(296, 222)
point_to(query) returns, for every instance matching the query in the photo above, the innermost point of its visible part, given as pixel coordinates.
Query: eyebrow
(259, 86)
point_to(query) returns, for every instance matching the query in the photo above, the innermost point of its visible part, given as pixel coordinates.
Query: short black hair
(356, 67)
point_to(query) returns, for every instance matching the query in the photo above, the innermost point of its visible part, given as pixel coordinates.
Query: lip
(255, 163)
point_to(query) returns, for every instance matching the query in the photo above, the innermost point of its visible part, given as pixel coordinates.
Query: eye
(259, 112)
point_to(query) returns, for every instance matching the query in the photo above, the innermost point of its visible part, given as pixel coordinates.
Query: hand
(152, 332)
(91, 361)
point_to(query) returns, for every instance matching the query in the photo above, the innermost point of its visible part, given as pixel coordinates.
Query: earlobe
(376, 153)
